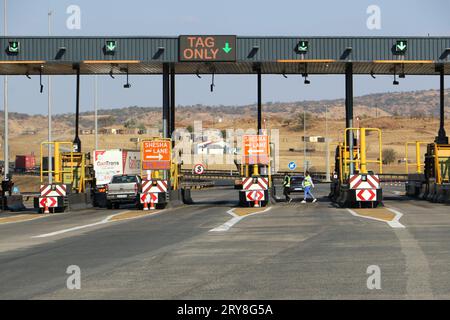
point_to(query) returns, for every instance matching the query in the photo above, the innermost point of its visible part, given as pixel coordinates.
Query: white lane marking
(236, 218)
(106, 220)
(393, 223)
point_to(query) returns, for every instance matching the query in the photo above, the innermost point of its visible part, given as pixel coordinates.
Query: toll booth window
(444, 163)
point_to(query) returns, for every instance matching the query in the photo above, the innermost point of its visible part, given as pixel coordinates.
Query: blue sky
(263, 17)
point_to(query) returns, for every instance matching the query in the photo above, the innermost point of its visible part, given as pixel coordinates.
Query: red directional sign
(51, 202)
(256, 149)
(254, 195)
(366, 195)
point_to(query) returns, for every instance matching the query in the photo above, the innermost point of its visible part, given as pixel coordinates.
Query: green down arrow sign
(110, 46)
(401, 46)
(227, 47)
(303, 46)
(13, 47)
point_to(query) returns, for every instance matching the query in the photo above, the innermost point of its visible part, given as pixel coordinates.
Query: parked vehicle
(108, 163)
(123, 189)
(296, 184)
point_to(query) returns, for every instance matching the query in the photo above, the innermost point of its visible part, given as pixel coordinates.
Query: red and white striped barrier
(53, 190)
(255, 183)
(372, 181)
(154, 186)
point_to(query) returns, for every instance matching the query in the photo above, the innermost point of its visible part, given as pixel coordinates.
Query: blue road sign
(292, 165)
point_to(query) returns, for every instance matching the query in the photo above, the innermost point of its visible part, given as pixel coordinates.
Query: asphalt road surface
(291, 251)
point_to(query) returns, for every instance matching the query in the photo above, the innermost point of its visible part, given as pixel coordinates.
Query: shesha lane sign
(219, 48)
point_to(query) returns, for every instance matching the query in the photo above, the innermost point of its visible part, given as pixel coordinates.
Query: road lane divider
(22, 217)
(384, 214)
(121, 216)
(237, 215)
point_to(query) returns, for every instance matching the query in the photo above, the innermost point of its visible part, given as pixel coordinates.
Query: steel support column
(259, 104)
(349, 109)
(442, 136)
(172, 101)
(77, 141)
(166, 101)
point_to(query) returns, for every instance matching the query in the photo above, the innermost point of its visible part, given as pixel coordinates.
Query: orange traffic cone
(152, 205)
(145, 205)
(46, 207)
(256, 204)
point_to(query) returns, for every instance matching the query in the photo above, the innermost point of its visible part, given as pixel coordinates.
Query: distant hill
(423, 103)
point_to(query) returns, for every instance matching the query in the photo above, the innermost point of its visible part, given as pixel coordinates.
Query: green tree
(130, 124)
(389, 155)
(303, 118)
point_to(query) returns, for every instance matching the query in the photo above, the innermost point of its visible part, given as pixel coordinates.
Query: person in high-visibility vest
(307, 185)
(286, 187)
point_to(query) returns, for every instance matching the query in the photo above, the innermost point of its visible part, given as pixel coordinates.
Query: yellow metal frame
(437, 148)
(418, 164)
(362, 161)
(57, 160)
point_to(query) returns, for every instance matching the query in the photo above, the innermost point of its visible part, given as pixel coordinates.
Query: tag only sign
(220, 48)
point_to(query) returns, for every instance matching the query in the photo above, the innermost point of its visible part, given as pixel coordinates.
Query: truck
(25, 163)
(123, 189)
(111, 162)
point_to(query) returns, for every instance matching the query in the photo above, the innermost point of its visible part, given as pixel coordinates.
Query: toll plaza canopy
(224, 54)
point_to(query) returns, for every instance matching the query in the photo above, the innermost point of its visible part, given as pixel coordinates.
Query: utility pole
(95, 112)
(305, 166)
(327, 177)
(50, 162)
(5, 105)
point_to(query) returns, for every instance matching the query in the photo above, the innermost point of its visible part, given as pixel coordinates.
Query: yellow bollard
(363, 150)
(419, 170)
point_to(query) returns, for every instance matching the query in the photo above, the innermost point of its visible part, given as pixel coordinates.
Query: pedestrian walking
(308, 184)
(286, 187)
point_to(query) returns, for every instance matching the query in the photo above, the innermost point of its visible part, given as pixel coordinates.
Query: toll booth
(416, 182)
(353, 185)
(255, 171)
(160, 174)
(69, 181)
(433, 182)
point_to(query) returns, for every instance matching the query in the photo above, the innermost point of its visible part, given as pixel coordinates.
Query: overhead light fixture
(127, 85)
(27, 75)
(305, 75)
(372, 75)
(395, 82)
(198, 74)
(284, 74)
(402, 74)
(445, 54)
(111, 73)
(212, 83)
(40, 80)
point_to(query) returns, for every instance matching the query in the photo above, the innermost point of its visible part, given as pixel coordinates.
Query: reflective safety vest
(287, 181)
(307, 182)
